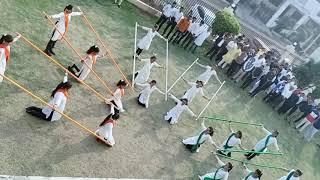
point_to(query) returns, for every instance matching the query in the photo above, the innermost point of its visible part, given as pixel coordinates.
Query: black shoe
(119, 6)
(52, 52)
(47, 52)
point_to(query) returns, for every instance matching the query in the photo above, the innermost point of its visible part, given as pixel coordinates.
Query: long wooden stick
(226, 120)
(175, 82)
(134, 53)
(207, 105)
(246, 151)
(167, 68)
(246, 162)
(107, 49)
(45, 103)
(70, 45)
(65, 70)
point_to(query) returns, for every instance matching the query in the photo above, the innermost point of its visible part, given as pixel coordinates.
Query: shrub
(226, 22)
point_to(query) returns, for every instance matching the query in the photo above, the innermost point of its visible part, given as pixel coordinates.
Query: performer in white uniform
(146, 41)
(87, 63)
(116, 104)
(194, 143)
(262, 145)
(233, 139)
(59, 100)
(105, 129)
(205, 76)
(143, 74)
(252, 175)
(173, 115)
(62, 27)
(194, 90)
(292, 174)
(5, 42)
(144, 96)
(222, 173)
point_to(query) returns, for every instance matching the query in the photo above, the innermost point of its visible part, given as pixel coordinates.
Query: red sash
(6, 51)
(66, 23)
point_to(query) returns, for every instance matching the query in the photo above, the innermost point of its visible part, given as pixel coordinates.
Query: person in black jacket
(290, 102)
(265, 82)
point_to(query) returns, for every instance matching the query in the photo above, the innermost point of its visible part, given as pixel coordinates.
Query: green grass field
(146, 146)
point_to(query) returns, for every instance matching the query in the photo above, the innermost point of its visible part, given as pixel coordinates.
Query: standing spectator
(265, 82)
(290, 102)
(199, 40)
(304, 108)
(195, 33)
(237, 63)
(216, 45)
(172, 23)
(309, 119)
(183, 26)
(312, 130)
(228, 44)
(166, 14)
(193, 24)
(231, 51)
(253, 76)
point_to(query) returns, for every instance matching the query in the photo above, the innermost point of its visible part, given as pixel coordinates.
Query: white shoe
(198, 150)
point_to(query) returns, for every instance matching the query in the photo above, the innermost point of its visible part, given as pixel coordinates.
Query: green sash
(250, 174)
(266, 144)
(215, 174)
(290, 175)
(226, 146)
(195, 147)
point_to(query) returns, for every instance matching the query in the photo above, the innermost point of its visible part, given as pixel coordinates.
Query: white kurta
(87, 66)
(193, 140)
(250, 177)
(201, 38)
(3, 63)
(220, 174)
(146, 41)
(205, 76)
(176, 111)
(192, 92)
(117, 95)
(144, 73)
(59, 101)
(232, 142)
(260, 145)
(61, 24)
(146, 93)
(292, 178)
(106, 132)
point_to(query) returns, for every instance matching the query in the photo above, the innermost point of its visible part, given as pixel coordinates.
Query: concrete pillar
(275, 16)
(301, 21)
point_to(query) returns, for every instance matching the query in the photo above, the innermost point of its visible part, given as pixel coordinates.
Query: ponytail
(6, 38)
(94, 49)
(63, 85)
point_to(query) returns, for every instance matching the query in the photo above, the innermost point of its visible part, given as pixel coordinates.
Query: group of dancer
(60, 95)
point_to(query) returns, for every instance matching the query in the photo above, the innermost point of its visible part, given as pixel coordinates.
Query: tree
(226, 22)
(308, 74)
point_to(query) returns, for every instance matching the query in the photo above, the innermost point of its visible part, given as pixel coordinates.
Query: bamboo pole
(167, 69)
(246, 151)
(134, 53)
(65, 70)
(230, 121)
(107, 49)
(206, 106)
(70, 45)
(246, 162)
(175, 82)
(45, 103)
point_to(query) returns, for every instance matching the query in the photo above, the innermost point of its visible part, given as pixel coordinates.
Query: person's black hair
(153, 57)
(110, 116)
(6, 38)
(211, 131)
(63, 85)
(199, 82)
(156, 26)
(277, 132)
(259, 173)
(121, 83)
(185, 100)
(93, 49)
(299, 172)
(230, 166)
(174, 2)
(69, 7)
(240, 134)
(154, 81)
(202, 22)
